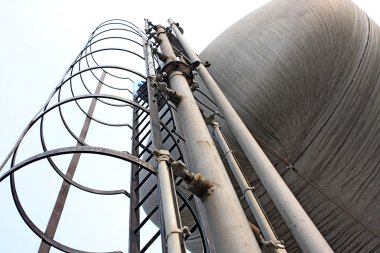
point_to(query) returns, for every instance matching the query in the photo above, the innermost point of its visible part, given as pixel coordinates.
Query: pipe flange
(180, 66)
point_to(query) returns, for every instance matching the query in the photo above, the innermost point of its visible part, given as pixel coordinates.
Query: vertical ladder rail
(173, 237)
(134, 214)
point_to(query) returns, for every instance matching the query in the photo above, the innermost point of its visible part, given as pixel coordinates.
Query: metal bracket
(210, 120)
(169, 93)
(196, 64)
(272, 246)
(196, 183)
(179, 27)
(162, 155)
(184, 231)
(252, 188)
(194, 85)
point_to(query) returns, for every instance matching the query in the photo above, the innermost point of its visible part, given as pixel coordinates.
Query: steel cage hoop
(96, 67)
(80, 149)
(14, 154)
(89, 44)
(71, 181)
(118, 26)
(100, 50)
(89, 48)
(163, 125)
(128, 24)
(60, 83)
(42, 138)
(199, 227)
(128, 27)
(106, 38)
(134, 104)
(92, 118)
(69, 150)
(98, 100)
(72, 91)
(100, 67)
(51, 95)
(87, 189)
(36, 230)
(112, 29)
(93, 96)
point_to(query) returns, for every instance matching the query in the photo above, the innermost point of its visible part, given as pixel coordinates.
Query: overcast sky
(40, 39)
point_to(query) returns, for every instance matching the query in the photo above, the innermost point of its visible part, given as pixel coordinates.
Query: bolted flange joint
(196, 183)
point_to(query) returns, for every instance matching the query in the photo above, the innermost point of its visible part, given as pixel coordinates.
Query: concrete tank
(304, 77)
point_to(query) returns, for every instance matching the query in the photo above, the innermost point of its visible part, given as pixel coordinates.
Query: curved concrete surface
(304, 77)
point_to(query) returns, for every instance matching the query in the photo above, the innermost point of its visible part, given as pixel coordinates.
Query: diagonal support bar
(64, 190)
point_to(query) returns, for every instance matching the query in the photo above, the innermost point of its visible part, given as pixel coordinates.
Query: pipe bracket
(196, 183)
(169, 93)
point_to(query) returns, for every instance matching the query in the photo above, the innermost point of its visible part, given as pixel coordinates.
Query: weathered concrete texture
(304, 76)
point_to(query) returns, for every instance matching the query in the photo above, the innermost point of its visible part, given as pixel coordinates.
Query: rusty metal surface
(61, 199)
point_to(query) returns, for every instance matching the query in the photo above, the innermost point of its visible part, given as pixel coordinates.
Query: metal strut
(172, 232)
(270, 239)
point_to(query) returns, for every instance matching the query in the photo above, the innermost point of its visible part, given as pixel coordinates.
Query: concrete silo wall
(304, 76)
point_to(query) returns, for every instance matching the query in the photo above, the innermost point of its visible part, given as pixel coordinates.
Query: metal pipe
(302, 227)
(173, 234)
(247, 190)
(229, 226)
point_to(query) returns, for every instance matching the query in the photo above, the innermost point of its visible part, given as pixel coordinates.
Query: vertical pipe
(253, 203)
(174, 235)
(174, 240)
(228, 223)
(302, 227)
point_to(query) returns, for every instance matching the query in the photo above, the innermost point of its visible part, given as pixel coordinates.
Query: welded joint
(196, 183)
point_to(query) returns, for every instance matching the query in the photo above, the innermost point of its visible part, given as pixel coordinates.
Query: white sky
(40, 38)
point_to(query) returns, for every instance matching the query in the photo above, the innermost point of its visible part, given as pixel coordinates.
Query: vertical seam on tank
(345, 93)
